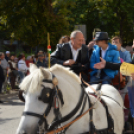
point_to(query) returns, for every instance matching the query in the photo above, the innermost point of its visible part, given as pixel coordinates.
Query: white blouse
(22, 66)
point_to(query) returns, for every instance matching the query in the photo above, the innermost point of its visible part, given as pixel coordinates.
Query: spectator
(5, 66)
(15, 59)
(124, 54)
(14, 71)
(7, 57)
(28, 61)
(41, 61)
(108, 52)
(22, 68)
(133, 51)
(35, 58)
(40, 52)
(2, 79)
(64, 39)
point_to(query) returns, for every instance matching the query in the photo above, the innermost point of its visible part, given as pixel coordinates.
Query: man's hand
(132, 76)
(69, 62)
(101, 64)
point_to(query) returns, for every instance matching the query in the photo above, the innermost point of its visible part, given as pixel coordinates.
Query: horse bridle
(48, 95)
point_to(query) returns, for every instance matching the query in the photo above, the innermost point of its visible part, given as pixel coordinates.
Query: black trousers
(1, 86)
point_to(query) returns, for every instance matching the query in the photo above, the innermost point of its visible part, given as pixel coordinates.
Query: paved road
(10, 113)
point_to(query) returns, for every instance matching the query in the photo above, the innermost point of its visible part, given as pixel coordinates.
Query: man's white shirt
(103, 52)
(74, 52)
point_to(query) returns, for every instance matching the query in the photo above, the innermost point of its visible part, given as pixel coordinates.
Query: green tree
(30, 20)
(114, 16)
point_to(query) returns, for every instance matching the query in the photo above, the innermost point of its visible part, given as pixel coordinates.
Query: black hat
(101, 36)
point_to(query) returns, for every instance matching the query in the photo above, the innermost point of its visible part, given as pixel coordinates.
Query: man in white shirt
(73, 54)
(22, 68)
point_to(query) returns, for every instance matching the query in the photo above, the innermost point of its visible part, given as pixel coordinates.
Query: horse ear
(44, 72)
(32, 67)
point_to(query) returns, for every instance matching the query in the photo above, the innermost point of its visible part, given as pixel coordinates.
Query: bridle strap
(71, 114)
(70, 123)
(32, 114)
(48, 81)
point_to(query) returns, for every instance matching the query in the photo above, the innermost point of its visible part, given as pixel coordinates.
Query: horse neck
(71, 90)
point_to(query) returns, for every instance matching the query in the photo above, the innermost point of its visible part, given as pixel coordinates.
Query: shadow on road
(2, 121)
(12, 103)
(11, 99)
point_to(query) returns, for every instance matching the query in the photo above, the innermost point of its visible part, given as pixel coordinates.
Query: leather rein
(54, 127)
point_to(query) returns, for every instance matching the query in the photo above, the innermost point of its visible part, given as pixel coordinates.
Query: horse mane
(60, 69)
(32, 82)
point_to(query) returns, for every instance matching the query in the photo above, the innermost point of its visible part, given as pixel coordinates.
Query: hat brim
(101, 39)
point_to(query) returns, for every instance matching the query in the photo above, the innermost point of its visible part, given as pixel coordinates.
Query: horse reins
(77, 118)
(70, 123)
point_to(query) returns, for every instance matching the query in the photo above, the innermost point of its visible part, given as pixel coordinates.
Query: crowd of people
(72, 52)
(13, 68)
(100, 59)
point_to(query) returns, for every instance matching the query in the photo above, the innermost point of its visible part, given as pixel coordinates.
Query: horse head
(44, 99)
(38, 88)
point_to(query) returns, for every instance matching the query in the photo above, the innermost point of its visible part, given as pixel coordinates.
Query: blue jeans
(131, 99)
(22, 75)
(105, 79)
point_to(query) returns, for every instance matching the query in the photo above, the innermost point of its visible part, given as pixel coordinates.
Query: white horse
(70, 85)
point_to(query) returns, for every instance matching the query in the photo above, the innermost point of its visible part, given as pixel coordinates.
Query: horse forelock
(59, 69)
(32, 82)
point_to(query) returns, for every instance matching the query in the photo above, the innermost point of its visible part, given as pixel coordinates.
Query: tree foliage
(113, 16)
(30, 20)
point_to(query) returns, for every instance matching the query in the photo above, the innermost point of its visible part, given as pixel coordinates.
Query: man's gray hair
(74, 33)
